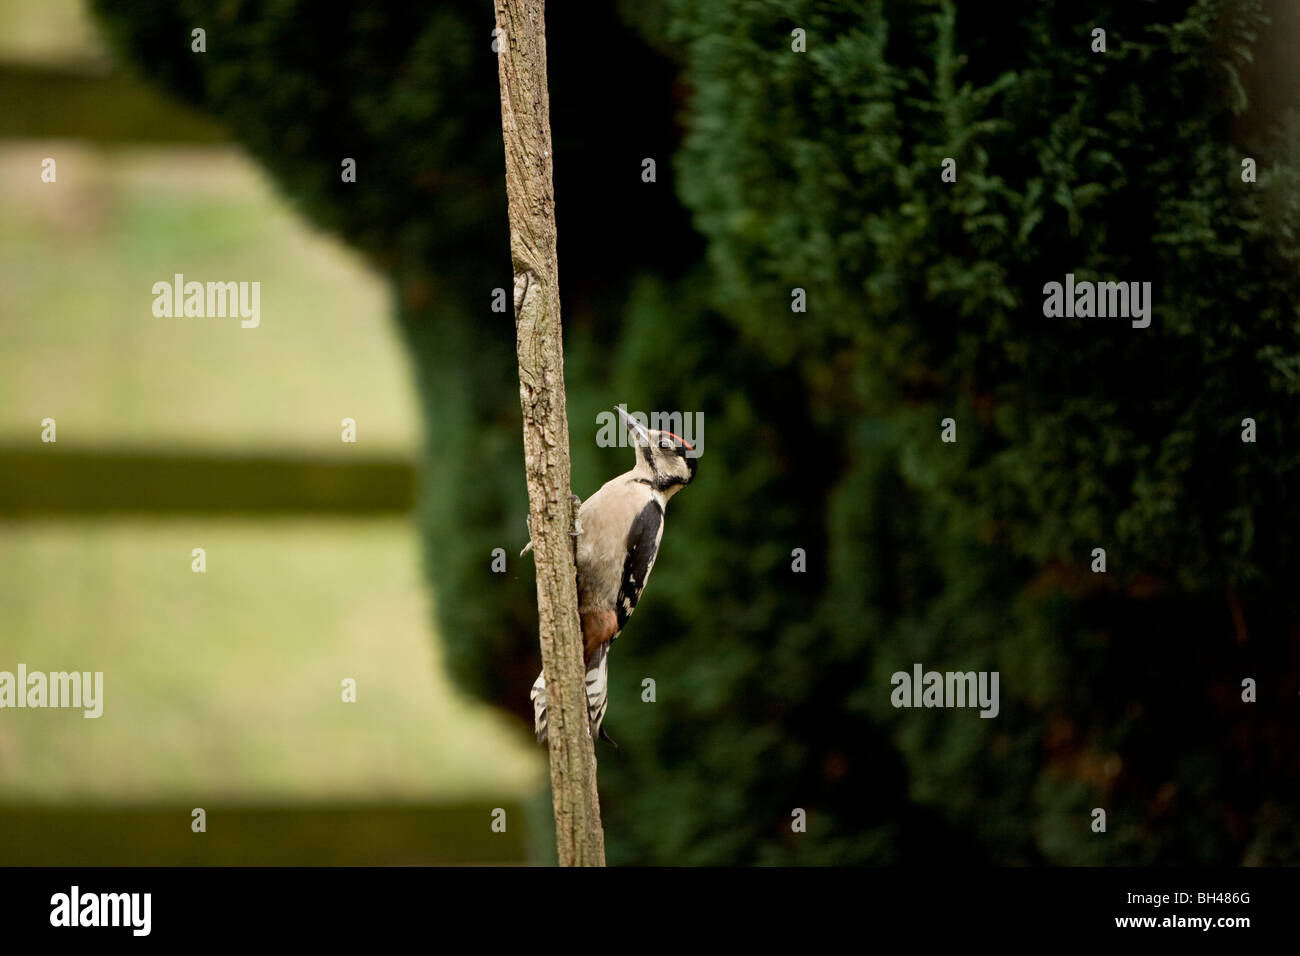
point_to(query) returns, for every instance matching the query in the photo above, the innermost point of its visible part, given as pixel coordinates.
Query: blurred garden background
(796, 146)
(223, 689)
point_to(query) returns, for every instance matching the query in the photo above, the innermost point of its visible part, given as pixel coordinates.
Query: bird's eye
(665, 444)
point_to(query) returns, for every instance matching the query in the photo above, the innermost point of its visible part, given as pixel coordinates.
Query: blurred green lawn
(79, 342)
(48, 30)
(220, 689)
(226, 684)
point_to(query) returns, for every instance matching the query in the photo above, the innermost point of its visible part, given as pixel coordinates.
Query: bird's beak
(635, 427)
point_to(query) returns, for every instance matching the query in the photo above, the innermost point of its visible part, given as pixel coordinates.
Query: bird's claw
(529, 546)
(577, 504)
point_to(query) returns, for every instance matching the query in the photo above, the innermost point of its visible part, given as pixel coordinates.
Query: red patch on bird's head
(689, 446)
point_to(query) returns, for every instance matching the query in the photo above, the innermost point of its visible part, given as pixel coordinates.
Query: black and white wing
(642, 548)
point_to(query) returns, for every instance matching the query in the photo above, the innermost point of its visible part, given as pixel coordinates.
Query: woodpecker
(618, 530)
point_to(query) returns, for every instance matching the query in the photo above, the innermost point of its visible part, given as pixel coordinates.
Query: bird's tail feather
(538, 697)
(597, 688)
(597, 682)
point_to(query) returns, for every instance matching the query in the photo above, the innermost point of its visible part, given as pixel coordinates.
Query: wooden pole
(526, 129)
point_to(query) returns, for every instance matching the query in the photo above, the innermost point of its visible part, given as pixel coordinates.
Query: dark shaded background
(820, 170)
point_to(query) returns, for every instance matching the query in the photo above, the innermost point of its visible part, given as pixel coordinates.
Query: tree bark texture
(526, 128)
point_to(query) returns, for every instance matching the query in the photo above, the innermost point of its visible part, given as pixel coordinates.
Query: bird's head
(668, 460)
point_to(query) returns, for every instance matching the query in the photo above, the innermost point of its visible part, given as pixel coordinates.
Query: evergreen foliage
(821, 170)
